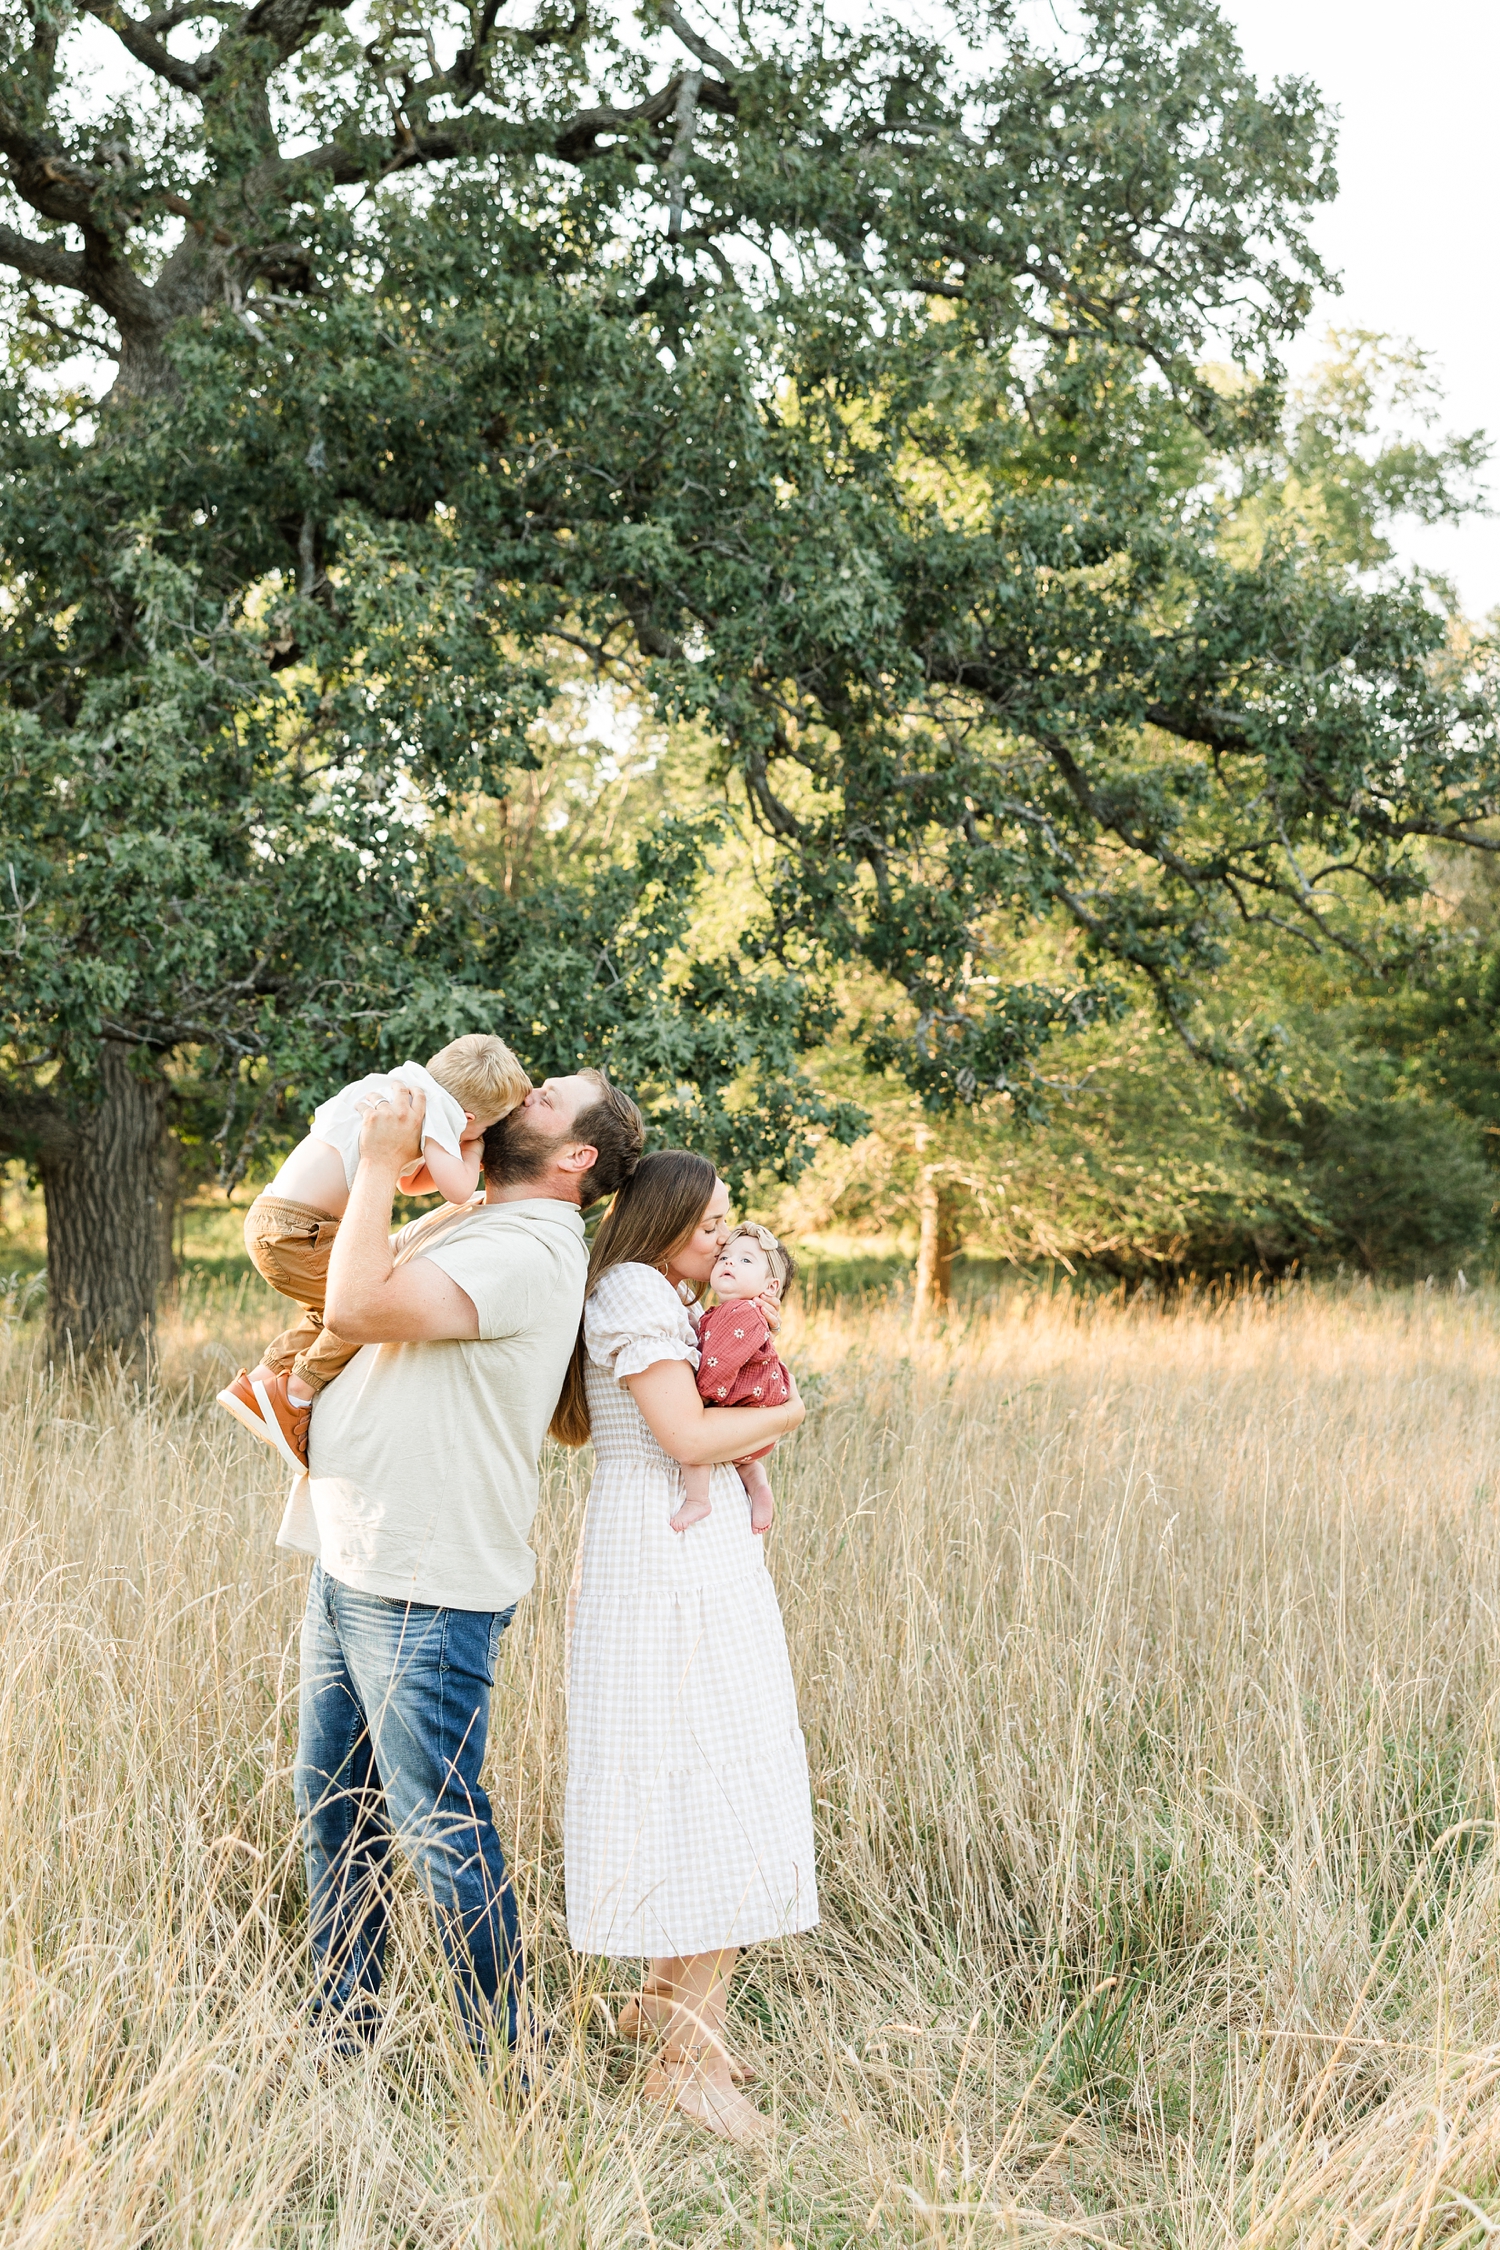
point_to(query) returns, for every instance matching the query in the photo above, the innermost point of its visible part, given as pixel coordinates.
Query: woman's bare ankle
(708, 2096)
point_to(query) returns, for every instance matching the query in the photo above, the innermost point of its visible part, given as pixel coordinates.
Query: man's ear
(578, 1160)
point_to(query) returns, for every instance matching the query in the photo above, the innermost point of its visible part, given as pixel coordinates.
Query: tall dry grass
(1148, 1666)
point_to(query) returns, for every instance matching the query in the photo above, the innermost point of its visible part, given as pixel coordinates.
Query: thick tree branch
(61, 191)
(40, 261)
(139, 39)
(1458, 831)
(777, 818)
(349, 162)
(287, 24)
(470, 73)
(684, 117)
(673, 17)
(1216, 730)
(578, 136)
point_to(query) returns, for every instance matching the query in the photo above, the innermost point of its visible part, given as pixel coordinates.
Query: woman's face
(693, 1260)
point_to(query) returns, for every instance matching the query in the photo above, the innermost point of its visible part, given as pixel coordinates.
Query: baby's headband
(778, 1258)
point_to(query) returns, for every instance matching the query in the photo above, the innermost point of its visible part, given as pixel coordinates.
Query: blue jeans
(393, 1716)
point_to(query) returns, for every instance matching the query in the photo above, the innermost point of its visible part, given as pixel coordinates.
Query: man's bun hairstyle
(615, 1127)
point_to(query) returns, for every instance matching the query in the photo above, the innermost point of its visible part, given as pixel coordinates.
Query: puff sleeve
(635, 1318)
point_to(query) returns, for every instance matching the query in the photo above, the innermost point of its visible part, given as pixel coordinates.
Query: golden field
(1148, 1664)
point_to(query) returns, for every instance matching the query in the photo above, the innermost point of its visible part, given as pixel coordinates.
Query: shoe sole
(273, 1431)
(246, 1419)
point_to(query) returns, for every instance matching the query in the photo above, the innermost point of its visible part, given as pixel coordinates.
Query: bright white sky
(1415, 227)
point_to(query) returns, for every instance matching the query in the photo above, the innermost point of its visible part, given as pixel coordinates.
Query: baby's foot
(762, 1509)
(691, 1511)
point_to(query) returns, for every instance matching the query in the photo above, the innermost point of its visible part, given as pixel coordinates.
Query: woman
(688, 1825)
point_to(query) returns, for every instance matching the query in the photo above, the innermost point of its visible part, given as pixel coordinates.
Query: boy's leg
(758, 1485)
(321, 1357)
(283, 1352)
(424, 1676)
(290, 1246)
(695, 1501)
(346, 1836)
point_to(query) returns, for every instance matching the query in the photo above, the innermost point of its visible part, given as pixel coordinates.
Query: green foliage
(1398, 1182)
(1440, 1020)
(1148, 1167)
(841, 397)
(1353, 454)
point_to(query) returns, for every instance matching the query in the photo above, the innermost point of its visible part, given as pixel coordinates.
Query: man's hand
(391, 1135)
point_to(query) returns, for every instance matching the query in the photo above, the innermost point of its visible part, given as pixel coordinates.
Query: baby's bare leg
(695, 1501)
(762, 1507)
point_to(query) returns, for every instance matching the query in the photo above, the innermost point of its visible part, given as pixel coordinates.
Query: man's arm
(372, 1300)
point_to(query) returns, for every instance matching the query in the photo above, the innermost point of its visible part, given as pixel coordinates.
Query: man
(417, 1506)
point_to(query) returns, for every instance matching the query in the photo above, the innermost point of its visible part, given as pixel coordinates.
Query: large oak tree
(841, 386)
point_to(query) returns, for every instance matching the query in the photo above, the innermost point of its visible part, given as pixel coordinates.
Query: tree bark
(937, 1241)
(108, 1190)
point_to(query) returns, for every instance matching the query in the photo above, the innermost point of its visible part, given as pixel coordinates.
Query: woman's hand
(799, 1410)
(770, 1309)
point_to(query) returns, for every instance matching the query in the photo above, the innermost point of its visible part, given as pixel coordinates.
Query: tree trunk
(937, 1241)
(108, 1190)
(168, 1189)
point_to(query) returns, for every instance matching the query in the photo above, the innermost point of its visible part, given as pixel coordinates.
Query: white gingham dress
(688, 1822)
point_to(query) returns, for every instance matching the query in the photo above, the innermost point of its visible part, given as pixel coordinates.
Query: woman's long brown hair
(656, 1210)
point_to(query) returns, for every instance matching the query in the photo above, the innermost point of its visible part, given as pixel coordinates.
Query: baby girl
(737, 1362)
(289, 1229)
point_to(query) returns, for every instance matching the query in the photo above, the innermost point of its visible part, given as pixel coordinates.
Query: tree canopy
(844, 389)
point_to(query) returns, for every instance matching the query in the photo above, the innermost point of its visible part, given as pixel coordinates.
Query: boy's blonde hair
(780, 1260)
(481, 1074)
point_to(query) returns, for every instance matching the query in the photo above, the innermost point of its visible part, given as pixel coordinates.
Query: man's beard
(515, 1150)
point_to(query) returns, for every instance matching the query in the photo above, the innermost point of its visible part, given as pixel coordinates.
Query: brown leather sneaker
(239, 1400)
(286, 1422)
(267, 1413)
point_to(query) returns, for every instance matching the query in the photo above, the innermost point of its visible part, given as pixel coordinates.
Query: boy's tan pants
(290, 1245)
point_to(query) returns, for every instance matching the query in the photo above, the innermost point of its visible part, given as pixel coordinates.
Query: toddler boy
(289, 1228)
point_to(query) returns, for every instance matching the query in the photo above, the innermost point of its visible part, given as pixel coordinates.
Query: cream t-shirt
(422, 1477)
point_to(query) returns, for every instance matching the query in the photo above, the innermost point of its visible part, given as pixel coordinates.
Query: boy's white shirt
(338, 1120)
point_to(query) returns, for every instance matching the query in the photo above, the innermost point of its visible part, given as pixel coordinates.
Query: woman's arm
(699, 1436)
